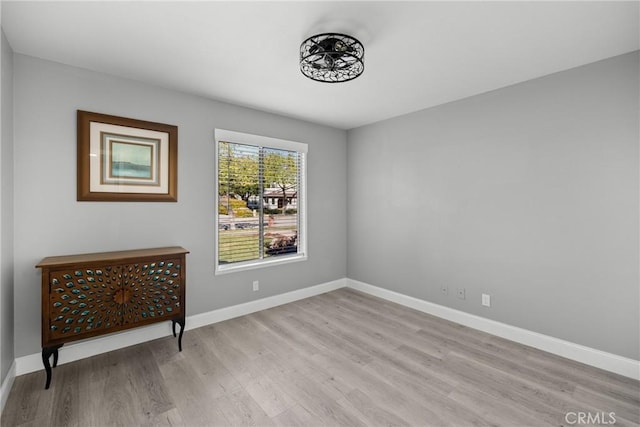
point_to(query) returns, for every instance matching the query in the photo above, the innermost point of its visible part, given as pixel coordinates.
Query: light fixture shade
(331, 58)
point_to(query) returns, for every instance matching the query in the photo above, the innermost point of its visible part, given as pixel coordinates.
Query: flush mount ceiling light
(331, 58)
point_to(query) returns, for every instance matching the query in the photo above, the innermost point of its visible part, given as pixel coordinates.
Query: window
(261, 217)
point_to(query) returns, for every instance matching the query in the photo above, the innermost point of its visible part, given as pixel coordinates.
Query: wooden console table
(95, 294)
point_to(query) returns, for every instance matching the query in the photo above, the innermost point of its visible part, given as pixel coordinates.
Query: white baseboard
(82, 349)
(5, 389)
(587, 355)
(262, 304)
(91, 347)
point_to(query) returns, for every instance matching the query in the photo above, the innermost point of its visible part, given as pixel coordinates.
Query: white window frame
(223, 135)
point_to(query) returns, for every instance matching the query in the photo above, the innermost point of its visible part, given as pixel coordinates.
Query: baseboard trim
(226, 313)
(7, 383)
(82, 349)
(587, 355)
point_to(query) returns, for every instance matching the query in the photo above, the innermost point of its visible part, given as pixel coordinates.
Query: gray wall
(49, 220)
(6, 209)
(528, 193)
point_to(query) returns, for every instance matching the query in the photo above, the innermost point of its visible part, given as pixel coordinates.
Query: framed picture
(122, 159)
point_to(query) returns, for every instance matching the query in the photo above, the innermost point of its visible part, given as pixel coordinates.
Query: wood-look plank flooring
(339, 359)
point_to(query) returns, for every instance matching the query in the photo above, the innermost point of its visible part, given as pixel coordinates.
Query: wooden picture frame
(126, 160)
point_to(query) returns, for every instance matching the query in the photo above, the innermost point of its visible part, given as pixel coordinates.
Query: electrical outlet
(486, 300)
(444, 289)
(256, 285)
(461, 294)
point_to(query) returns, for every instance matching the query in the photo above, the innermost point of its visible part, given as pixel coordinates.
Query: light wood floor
(338, 359)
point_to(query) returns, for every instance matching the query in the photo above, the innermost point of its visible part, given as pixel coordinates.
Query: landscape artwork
(129, 159)
(122, 159)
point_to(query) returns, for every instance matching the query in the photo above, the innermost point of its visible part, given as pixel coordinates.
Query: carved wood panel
(82, 300)
(150, 290)
(89, 295)
(98, 297)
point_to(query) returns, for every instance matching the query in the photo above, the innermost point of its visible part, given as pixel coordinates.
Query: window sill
(252, 265)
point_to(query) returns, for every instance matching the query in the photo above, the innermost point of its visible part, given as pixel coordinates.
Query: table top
(109, 256)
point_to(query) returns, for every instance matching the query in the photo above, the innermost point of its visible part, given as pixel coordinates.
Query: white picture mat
(151, 144)
(95, 155)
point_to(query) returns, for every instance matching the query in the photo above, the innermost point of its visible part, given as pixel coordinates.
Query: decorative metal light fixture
(331, 58)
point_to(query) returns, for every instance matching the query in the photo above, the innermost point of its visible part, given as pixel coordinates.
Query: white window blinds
(261, 216)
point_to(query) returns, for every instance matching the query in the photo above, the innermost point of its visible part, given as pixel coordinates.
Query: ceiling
(417, 54)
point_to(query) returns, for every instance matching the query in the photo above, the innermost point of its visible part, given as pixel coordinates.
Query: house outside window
(261, 215)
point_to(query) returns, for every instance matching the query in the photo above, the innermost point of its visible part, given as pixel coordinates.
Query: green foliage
(239, 173)
(238, 206)
(237, 169)
(272, 211)
(228, 243)
(281, 169)
(244, 213)
(279, 211)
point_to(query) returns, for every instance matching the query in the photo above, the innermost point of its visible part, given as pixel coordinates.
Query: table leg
(46, 354)
(173, 326)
